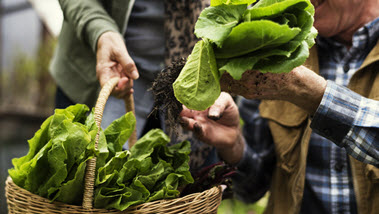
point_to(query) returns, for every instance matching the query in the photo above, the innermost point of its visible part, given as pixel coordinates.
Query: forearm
(89, 19)
(301, 86)
(351, 121)
(235, 154)
(307, 89)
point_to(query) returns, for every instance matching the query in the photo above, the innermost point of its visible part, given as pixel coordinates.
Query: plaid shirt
(328, 184)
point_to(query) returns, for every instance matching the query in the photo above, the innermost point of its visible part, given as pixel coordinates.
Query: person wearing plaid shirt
(329, 187)
(343, 123)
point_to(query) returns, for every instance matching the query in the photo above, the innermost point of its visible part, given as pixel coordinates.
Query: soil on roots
(164, 98)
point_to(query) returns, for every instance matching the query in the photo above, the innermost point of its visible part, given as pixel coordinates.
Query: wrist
(233, 154)
(308, 89)
(106, 37)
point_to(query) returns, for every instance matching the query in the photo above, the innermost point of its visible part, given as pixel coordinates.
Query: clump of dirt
(163, 92)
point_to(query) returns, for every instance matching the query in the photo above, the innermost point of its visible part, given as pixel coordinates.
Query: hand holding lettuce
(54, 167)
(271, 36)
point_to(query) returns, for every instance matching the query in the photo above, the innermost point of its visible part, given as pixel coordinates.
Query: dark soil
(163, 92)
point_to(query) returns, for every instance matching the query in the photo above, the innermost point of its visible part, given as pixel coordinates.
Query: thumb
(217, 109)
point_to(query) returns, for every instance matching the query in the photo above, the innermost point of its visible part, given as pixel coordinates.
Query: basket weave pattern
(21, 201)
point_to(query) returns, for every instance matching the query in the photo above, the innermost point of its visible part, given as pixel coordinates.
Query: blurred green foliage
(235, 206)
(29, 86)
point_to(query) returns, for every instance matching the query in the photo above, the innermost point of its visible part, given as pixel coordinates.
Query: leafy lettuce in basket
(54, 167)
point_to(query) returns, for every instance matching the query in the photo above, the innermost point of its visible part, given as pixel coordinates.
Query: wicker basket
(22, 201)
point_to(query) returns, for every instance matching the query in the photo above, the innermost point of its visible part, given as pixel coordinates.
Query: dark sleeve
(254, 171)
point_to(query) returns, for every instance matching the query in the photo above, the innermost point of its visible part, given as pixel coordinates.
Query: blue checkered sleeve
(350, 121)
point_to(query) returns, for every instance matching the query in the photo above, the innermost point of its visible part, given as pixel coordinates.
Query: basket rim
(215, 191)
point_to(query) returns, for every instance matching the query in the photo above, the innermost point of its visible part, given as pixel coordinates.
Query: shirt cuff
(336, 113)
(248, 160)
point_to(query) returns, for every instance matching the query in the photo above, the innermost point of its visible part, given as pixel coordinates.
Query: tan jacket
(290, 127)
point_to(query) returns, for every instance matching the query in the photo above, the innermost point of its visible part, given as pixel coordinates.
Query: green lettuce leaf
(231, 2)
(271, 8)
(37, 145)
(251, 36)
(55, 150)
(55, 165)
(284, 64)
(198, 84)
(237, 66)
(215, 23)
(67, 148)
(151, 171)
(118, 132)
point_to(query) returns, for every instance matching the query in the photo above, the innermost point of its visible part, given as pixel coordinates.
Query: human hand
(301, 87)
(217, 126)
(113, 60)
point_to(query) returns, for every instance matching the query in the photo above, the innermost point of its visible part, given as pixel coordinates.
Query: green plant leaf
(305, 23)
(237, 66)
(152, 171)
(251, 36)
(231, 2)
(271, 8)
(280, 64)
(118, 132)
(215, 23)
(198, 86)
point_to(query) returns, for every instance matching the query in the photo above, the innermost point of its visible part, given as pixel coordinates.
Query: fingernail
(135, 74)
(214, 115)
(197, 128)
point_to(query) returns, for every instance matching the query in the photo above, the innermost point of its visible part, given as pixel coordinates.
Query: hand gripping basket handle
(89, 179)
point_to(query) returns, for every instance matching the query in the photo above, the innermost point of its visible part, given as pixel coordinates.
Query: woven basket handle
(129, 105)
(89, 179)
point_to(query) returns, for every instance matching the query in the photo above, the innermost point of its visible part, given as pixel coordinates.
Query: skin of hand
(301, 87)
(217, 126)
(113, 60)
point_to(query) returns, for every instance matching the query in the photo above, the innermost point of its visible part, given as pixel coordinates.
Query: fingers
(193, 125)
(124, 85)
(123, 88)
(104, 72)
(217, 109)
(129, 68)
(186, 112)
(214, 112)
(113, 60)
(111, 49)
